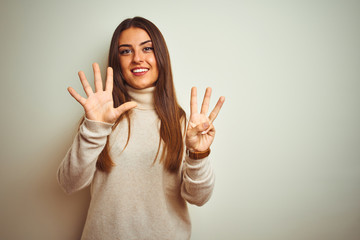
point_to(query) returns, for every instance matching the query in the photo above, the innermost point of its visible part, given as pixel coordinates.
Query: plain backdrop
(287, 150)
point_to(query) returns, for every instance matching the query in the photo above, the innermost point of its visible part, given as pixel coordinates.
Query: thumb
(125, 107)
(198, 129)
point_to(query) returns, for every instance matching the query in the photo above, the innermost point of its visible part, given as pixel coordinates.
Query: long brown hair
(166, 105)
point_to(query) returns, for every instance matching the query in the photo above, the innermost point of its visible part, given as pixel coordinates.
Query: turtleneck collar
(143, 97)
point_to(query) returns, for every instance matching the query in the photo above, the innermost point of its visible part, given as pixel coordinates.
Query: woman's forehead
(133, 36)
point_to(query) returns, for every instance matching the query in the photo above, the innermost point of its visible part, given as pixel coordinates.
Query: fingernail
(206, 125)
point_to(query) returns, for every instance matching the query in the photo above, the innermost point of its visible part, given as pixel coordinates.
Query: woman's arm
(198, 180)
(197, 174)
(77, 169)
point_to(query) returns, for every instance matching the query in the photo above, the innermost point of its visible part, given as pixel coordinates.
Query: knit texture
(138, 199)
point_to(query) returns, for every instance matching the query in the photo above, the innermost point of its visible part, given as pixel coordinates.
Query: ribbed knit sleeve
(77, 169)
(198, 180)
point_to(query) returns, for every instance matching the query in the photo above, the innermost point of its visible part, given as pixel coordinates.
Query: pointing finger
(193, 101)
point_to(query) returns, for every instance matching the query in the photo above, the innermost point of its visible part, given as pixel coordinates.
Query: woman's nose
(138, 56)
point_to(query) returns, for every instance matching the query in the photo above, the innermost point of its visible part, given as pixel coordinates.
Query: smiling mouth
(139, 70)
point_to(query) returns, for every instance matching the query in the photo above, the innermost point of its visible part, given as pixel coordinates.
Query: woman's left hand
(200, 132)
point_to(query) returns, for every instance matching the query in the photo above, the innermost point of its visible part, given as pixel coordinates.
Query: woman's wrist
(197, 154)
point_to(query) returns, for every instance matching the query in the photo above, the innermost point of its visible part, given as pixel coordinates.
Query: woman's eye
(125, 51)
(148, 49)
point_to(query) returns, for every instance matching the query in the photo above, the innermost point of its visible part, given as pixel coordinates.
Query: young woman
(143, 161)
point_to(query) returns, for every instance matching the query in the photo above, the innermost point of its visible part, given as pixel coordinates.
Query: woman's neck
(143, 97)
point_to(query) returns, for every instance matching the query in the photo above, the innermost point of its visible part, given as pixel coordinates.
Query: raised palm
(200, 132)
(99, 105)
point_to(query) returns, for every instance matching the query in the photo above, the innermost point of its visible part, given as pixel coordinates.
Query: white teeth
(140, 70)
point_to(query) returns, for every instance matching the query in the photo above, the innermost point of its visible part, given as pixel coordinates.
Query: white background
(287, 150)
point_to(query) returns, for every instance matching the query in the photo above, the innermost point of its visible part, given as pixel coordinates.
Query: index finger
(193, 101)
(216, 109)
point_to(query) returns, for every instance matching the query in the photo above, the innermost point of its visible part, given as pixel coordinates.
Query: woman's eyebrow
(128, 45)
(124, 45)
(145, 42)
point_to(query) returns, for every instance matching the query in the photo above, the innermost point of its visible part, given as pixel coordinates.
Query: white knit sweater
(137, 199)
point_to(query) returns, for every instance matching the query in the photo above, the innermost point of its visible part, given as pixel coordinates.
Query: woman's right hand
(99, 105)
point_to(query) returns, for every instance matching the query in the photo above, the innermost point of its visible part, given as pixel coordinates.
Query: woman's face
(137, 58)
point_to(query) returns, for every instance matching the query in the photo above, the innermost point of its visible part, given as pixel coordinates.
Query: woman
(130, 145)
